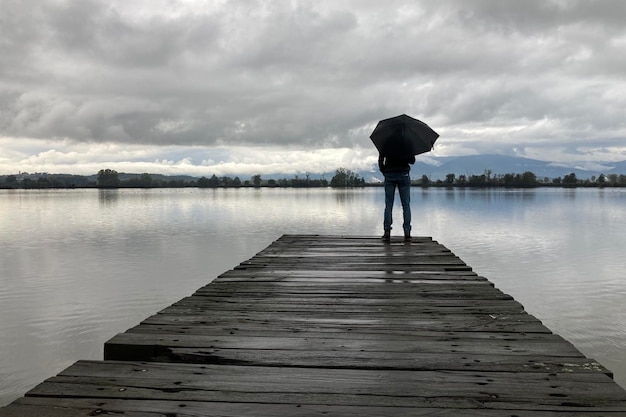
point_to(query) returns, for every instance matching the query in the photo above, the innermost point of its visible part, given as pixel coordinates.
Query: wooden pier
(336, 326)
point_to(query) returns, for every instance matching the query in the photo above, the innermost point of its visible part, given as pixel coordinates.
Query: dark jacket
(395, 163)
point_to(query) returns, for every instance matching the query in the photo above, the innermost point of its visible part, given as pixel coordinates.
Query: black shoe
(407, 237)
(387, 236)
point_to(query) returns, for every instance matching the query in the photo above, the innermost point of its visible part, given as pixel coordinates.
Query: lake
(79, 266)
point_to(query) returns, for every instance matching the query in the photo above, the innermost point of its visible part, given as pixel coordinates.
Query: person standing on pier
(398, 139)
(396, 172)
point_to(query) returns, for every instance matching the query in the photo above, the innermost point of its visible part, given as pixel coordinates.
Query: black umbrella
(403, 135)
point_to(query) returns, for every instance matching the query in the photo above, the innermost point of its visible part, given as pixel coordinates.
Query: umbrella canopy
(403, 135)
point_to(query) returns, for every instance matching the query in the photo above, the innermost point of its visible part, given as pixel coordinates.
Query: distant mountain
(438, 168)
(617, 168)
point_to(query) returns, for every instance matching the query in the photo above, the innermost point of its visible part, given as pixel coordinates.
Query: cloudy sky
(251, 86)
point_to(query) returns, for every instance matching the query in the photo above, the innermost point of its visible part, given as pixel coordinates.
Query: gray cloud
(492, 75)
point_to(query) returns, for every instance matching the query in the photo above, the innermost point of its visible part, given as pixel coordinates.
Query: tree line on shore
(109, 178)
(526, 179)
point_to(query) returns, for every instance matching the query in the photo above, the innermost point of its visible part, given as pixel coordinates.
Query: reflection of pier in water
(322, 325)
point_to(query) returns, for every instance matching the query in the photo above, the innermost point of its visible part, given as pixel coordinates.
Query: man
(396, 171)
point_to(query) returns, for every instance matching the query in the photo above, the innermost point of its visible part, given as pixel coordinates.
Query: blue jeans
(402, 181)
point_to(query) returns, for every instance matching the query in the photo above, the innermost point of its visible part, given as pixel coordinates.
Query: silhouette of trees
(487, 179)
(527, 179)
(478, 181)
(108, 178)
(570, 180)
(215, 182)
(142, 181)
(346, 178)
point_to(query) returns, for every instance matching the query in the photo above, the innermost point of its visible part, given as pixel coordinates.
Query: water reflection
(344, 196)
(108, 197)
(569, 193)
(451, 195)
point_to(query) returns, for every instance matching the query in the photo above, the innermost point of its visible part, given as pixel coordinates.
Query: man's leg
(404, 189)
(390, 190)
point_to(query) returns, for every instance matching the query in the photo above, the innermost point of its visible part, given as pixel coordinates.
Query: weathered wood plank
(81, 407)
(437, 322)
(144, 346)
(375, 275)
(399, 289)
(357, 257)
(348, 323)
(408, 267)
(441, 278)
(427, 361)
(331, 332)
(398, 307)
(420, 389)
(420, 321)
(434, 361)
(449, 356)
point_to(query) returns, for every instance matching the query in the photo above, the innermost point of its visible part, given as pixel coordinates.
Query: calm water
(79, 266)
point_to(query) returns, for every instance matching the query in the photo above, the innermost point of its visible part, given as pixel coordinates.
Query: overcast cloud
(251, 86)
